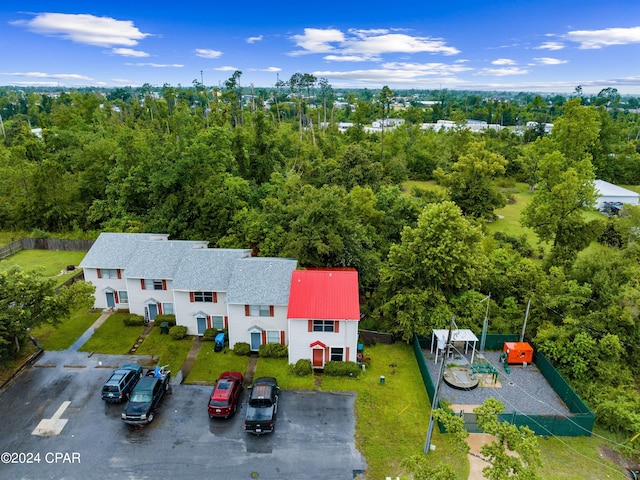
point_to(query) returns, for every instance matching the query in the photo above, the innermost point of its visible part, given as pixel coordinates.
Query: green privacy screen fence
(578, 423)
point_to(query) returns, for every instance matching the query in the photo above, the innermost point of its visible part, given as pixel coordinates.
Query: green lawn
(49, 263)
(209, 364)
(168, 351)
(62, 336)
(112, 337)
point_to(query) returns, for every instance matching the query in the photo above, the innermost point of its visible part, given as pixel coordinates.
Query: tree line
(272, 171)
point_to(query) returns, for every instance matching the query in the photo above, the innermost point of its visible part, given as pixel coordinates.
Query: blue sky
(541, 46)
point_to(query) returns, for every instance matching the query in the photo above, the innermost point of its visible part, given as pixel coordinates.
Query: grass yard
(49, 263)
(209, 364)
(112, 337)
(8, 367)
(62, 336)
(169, 351)
(576, 457)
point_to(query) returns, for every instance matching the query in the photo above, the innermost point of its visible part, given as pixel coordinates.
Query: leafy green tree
(510, 440)
(439, 258)
(564, 191)
(471, 181)
(29, 300)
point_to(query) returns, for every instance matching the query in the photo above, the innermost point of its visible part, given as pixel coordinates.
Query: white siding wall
(300, 338)
(102, 284)
(240, 324)
(186, 310)
(630, 199)
(138, 297)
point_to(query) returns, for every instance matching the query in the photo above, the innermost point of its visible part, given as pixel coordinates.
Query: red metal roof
(327, 294)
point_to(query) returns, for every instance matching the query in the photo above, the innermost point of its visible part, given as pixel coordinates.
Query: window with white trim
(337, 354)
(154, 284)
(323, 325)
(123, 296)
(217, 322)
(109, 273)
(273, 336)
(260, 311)
(203, 297)
(167, 308)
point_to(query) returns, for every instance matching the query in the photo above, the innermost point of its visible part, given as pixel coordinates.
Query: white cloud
(226, 68)
(350, 58)
(550, 46)
(156, 65)
(594, 39)
(85, 29)
(254, 39)
(365, 43)
(315, 40)
(129, 52)
(383, 76)
(400, 73)
(502, 72)
(549, 61)
(206, 53)
(60, 76)
(503, 61)
(426, 68)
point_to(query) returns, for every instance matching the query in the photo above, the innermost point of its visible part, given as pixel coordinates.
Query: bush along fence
(45, 244)
(579, 423)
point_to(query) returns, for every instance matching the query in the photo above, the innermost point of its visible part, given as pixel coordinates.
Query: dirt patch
(614, 457)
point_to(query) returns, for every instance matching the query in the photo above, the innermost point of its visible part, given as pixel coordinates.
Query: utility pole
(524, 325)
(434, 403)
(485, 324)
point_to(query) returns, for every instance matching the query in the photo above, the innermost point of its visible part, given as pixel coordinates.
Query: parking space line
(54, 425)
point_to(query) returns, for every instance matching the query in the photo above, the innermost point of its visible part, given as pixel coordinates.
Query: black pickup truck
(262, 406)
(145, 396)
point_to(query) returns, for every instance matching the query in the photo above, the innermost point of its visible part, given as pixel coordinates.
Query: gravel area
(524, 390)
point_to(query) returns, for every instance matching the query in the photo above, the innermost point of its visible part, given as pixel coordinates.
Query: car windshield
(140, 397)
(110, 388)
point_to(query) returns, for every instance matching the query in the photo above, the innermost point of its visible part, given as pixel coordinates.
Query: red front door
(318, 355)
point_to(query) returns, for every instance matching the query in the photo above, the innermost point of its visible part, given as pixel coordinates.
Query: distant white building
(610, 193)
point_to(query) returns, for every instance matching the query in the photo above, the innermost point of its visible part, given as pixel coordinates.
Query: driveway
(54, 425)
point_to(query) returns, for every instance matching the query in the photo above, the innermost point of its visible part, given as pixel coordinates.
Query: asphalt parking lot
(55, 426)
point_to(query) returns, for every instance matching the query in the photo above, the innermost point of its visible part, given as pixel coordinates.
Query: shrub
(209, 334)
(133, 320)
(302, 367)
(170, 318)
(242, 348)
(342, 369)
(519, 243)
(178, 332)
(273, 350)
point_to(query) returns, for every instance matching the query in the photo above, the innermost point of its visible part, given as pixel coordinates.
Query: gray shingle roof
(208, 269)
(605, 188)
(261, 281)
(113, 250)
(159, 260)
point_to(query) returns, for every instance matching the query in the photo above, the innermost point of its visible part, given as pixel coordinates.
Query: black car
(262, 406)
(121, 382)
(146, 396)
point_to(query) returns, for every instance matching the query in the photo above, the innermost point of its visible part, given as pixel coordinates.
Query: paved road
(81, 437)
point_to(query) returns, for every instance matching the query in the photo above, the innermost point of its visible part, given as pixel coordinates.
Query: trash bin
(164, 328)
(381, 379)
(219, 342)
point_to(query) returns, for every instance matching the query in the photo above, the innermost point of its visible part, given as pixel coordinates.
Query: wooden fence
(45, 244)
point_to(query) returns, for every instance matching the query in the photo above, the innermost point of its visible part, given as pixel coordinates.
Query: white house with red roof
(323, 315)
